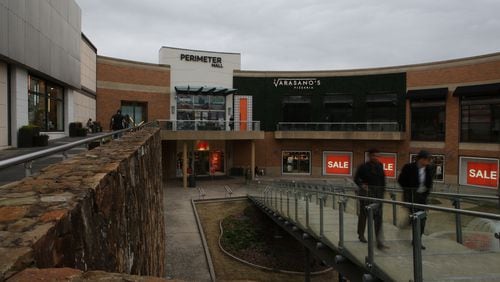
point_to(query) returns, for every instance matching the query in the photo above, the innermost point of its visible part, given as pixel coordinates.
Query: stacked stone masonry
(100, 210)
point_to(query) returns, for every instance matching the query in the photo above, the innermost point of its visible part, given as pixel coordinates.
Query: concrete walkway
(16, 173)
(185, 254)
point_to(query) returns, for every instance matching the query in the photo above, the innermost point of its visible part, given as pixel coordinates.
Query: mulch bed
(253, 237)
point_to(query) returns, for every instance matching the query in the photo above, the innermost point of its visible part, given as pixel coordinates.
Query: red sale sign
(337, 164)
(389, 164)
(482, 174)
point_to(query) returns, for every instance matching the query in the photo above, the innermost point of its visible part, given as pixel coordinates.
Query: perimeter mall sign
(216, 62)
(297, 83)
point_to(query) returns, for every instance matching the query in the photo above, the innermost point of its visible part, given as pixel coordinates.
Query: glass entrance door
(201, 163)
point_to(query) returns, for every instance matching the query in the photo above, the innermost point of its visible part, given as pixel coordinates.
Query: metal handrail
(228, 191)
(339, 126)
(397, 190)
(270, 198)
(407, 204)
(26, 158)
(210, 125)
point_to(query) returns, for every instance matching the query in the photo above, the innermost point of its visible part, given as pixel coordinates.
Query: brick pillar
(452, 138)
(252, 159)
(184, 164)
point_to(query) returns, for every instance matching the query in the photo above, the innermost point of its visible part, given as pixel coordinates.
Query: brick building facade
(139, 89)
(319, 124)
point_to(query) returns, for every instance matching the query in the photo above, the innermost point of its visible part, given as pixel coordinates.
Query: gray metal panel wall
(43, 35)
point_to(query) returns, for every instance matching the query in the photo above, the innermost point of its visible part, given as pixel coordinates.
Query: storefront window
(438, 162)
(337, 163)
(296, 109)
(381, 108)
(480, 172)
(197, 107)
(136, 111)
(480, 119)
(45, 105)
(338, 108)
(428, 121)
(296, 162)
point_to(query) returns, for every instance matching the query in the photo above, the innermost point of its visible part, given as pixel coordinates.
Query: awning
(478, 90)
(204, 90)
(381, 98)
(427, 94)
(338, 99)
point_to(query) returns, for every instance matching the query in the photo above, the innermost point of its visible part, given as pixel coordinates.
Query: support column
(252, 160)
(307, 265)
(184, 165)
(18, 101)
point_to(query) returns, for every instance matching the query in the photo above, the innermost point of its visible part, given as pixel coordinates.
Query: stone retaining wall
(100, 210)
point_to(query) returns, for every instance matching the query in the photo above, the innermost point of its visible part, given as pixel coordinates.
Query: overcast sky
(297, 35)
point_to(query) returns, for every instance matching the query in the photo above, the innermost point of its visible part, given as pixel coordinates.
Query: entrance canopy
(204, 90)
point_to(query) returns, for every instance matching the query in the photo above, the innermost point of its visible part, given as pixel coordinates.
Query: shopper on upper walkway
(370, 179)
(416, 181)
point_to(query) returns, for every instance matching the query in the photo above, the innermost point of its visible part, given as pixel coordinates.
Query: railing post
(307, 210)
(394, 210)
(65, 155)
(28, 166)
(417, 246)
(296, 206)
(288, 203)
(341, 223)
(321, 227)
(275, 200)
(333, 199)
(371, 234)
(458, 221)
(281, 201)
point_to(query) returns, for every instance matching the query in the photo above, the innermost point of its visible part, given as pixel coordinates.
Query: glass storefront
(337, 163)
(480, 119)
(192, 107)
(479, 172)
(45, 104)
(296, 162)
(137, 111)
(206, 162)
(428, 121)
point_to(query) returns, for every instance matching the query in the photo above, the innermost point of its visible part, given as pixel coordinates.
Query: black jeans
(377, 218)
(419, 198)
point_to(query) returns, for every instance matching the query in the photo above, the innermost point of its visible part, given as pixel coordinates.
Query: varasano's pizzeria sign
(297, 83)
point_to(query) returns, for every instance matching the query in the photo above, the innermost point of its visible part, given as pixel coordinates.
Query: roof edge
(387, 69)
(198, 50)
(131, 61)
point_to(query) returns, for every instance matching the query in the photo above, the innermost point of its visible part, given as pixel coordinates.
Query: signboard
(337, 163)
(438, 162)
(215, 62)
(481, 172)
(297, 83)
(389, 162)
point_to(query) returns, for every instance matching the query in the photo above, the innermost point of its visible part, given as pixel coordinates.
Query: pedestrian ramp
(329, 218)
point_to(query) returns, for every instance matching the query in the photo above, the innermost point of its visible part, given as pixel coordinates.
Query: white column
(4, 110)
(19, 100)
(69, 109)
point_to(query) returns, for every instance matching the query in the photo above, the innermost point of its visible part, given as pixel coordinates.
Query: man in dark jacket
(117, 121)
(370, 179)
(416, 180)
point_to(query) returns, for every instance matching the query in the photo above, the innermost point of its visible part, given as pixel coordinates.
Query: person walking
(416, 179)
(370, 179)
(116, 121)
